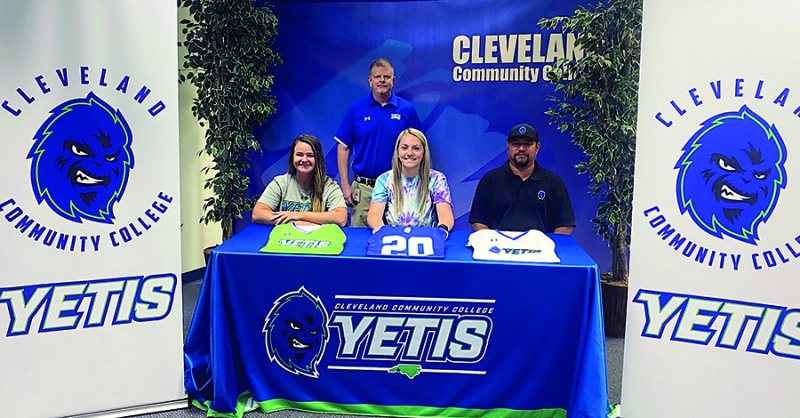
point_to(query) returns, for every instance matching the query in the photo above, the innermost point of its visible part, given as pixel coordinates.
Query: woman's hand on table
(286, 217)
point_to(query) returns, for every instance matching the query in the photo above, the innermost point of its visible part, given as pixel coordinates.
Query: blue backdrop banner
(472, 69)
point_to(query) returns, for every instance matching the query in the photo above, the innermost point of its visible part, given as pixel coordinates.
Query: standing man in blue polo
(521, 194)
(370, 129)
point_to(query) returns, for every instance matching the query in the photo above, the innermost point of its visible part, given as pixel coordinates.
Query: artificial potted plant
(229, 52)
(597, 106)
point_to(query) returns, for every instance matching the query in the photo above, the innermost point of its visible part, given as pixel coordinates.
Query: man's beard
(521, 162)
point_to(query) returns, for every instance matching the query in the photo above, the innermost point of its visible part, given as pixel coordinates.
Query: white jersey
(529, 246)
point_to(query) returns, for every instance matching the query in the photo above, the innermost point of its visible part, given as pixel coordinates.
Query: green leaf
(597, 106)
(229, 52)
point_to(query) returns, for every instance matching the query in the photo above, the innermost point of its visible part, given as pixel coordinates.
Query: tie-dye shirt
(438, 192)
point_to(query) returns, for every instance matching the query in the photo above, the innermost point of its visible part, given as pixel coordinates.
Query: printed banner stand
(713, 322)
(90, 292)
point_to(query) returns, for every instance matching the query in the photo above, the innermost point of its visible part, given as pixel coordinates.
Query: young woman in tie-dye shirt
(424, 199)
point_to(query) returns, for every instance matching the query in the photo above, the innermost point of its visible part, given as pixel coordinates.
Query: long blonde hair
(424, 172)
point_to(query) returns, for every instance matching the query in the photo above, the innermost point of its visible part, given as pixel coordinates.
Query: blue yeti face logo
(296, 331)
(731, 174)
(81, 159)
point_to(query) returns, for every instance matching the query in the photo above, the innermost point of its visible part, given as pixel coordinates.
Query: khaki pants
(363, 195)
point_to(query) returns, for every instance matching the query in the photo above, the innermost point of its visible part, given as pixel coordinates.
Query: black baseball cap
(525, 130)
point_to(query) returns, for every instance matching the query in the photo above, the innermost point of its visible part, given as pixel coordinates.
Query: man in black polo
(521, 194)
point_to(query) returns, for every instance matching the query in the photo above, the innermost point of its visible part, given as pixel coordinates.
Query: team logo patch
(522, 130)
(81, 160)
(541, 195)
(731, 174)
(296, 332)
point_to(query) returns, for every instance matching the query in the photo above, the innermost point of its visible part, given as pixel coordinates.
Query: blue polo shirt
(370, 131)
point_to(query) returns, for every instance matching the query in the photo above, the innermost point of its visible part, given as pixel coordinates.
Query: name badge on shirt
(395, 116)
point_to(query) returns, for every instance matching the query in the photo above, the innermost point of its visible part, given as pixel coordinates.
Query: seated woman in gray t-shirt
(306, 194)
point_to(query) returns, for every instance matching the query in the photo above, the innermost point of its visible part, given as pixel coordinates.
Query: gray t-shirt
(284, 195)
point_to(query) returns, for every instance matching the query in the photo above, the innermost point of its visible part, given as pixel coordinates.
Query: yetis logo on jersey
(296, 331)
(81, 159)
(731, 174)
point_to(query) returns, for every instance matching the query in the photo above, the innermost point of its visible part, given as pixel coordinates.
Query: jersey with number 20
(407, 241)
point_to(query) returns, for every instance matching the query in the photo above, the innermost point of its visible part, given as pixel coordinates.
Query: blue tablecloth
(451, 337)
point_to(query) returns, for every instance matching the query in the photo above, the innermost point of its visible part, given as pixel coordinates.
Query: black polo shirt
(503, 201)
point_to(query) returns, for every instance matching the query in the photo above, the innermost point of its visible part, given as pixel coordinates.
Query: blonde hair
(381, 62)
(424, 172)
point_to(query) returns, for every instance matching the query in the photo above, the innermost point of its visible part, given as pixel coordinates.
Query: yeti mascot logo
(731, 174)
(81, 160)
(296, 331)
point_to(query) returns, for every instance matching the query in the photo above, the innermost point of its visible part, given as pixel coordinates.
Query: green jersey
(289, 238)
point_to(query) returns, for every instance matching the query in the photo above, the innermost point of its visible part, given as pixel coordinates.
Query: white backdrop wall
(713, 321)
(195, 236)
(90, 295)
